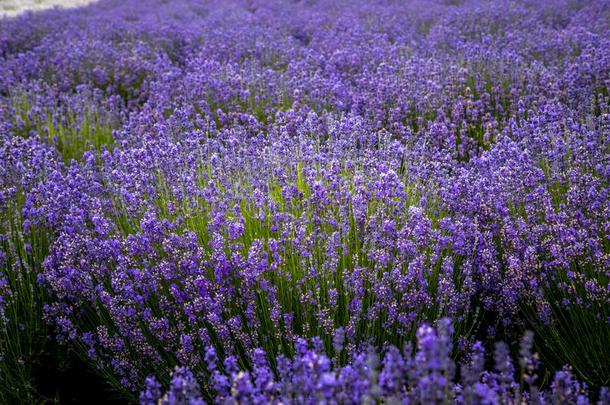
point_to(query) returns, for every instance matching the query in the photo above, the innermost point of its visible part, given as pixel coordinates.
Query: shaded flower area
(308, 201)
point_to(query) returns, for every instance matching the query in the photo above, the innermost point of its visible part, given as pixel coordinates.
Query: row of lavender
(186, 182)
(426, 377)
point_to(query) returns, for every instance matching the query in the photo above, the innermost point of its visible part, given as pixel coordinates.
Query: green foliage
(24, 336)
(72, 135)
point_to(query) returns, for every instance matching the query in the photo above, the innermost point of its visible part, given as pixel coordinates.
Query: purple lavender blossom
(277, 196)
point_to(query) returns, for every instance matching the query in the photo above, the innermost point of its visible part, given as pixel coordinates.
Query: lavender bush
(218, 186)
(427, 377)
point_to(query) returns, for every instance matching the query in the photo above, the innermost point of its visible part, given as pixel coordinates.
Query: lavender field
(306, 202)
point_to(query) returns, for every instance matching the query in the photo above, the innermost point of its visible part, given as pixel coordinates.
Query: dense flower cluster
(425, 377)
(231, 179)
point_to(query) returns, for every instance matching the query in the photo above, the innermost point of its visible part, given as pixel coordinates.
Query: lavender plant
(426, 376)
(217, 186)
(23, 332)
